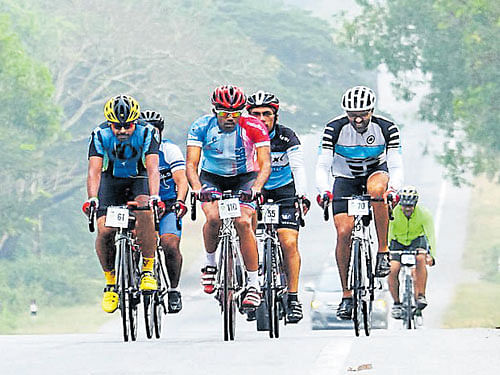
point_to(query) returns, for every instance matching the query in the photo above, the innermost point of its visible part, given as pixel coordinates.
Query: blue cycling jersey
(228, 153)
(124, 159)
(171, 160)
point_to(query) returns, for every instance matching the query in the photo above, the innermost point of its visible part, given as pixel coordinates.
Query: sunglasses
(125, 126)
(227, 113)
(358, 114)
(265, 114)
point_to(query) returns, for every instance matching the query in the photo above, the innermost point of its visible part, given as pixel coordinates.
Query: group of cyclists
(241, 146)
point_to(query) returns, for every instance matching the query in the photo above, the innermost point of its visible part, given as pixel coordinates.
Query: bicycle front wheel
(123, 286)
(357, 286)
(408, 302)
(228, 305)
(133, 291)
(148, 303)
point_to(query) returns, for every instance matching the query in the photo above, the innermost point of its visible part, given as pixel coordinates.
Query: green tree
(455, 44)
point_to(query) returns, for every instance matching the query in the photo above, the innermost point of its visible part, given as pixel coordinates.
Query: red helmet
(229, 97)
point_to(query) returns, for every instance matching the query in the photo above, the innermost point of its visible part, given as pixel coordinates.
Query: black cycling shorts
(235, 183)
(114, 191)
(289, 217)
(347, 187)
(418, 243)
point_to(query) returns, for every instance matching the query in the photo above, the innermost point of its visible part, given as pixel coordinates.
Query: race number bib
(116, 217)
(270, 213)
(357, 207)
(229, 208)
(408, 259)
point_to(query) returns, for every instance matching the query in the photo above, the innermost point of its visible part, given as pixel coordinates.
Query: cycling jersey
(346, 153)
(228, 153)
(287, 162)
(127, 158)
(171, 160)
(405, 230)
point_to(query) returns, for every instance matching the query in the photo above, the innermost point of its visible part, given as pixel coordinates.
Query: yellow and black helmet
(122, 109)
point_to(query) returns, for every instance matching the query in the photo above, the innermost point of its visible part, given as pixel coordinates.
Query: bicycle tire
(367, 307)
(356, 290)
(158, 298)
(148, 303)
(228, 303)
(407, 303)
(270, 291)
(133, 292)
(122, 289)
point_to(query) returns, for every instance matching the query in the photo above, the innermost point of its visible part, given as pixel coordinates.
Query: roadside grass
(89, 318)
(477, 304)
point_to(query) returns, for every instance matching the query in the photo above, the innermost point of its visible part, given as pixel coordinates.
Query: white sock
(211, 259)
(253, 279)
(173, 289)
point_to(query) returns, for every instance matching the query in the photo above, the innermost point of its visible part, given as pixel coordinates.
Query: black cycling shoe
(294, 312)
(174, 302)
(251, 316)
(344, 310)
(383, 266)
(421, 302)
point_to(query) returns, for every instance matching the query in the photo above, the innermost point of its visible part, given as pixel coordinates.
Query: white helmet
(358, 98)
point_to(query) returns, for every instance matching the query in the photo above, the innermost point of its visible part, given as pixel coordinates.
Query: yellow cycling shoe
(110, 299)
(148, 281)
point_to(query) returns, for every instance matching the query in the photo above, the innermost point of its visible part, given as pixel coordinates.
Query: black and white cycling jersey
(346, 153)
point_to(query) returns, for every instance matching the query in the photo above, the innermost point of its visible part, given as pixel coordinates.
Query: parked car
(327, 294)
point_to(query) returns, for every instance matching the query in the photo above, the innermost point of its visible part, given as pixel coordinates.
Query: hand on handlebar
(391, 196)
(91, 202)
(429, 260)
(156, 200)
(180, 208)
(325, 198)
(208, 194)
(250, 195)
(306, 204)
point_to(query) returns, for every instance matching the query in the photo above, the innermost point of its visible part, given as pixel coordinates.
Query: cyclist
(123, 158)
(287, 180)
(362, 152)
(411, 229)
(236, 156)
(173, 190)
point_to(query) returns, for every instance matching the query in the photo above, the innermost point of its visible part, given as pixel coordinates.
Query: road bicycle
(411, 316)
(127, 261)
(274, 283)
(361, 277)
(231, 275)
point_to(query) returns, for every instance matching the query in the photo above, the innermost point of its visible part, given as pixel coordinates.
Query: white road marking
(332, 358)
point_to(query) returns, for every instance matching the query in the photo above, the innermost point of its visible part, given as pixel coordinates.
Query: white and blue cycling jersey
(346, 153)
(287, 162)
(124, 159)
(228, 153)
(171, 160)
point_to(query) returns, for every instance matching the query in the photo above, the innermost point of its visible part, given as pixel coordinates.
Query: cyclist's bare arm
(193, 156)
(94, 176)
(152, 161)
(264, 161)
(181, 182)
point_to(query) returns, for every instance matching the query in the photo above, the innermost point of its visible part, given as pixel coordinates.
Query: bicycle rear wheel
(356, 292)
(158, 302)
(228, 306)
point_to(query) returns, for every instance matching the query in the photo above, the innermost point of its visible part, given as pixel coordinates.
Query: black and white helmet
(358, 98)
(263, 99)
(408, 196)
(154, 118)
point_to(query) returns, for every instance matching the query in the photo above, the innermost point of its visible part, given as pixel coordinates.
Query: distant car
(327, 294)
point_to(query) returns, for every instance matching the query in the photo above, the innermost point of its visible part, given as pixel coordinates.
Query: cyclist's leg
(170, 238)
(376, 185)
(289, 243)
(393, 279)
(344, 224)
(248, 241)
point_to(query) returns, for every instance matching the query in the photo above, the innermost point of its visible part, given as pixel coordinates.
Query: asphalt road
(192, 340)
